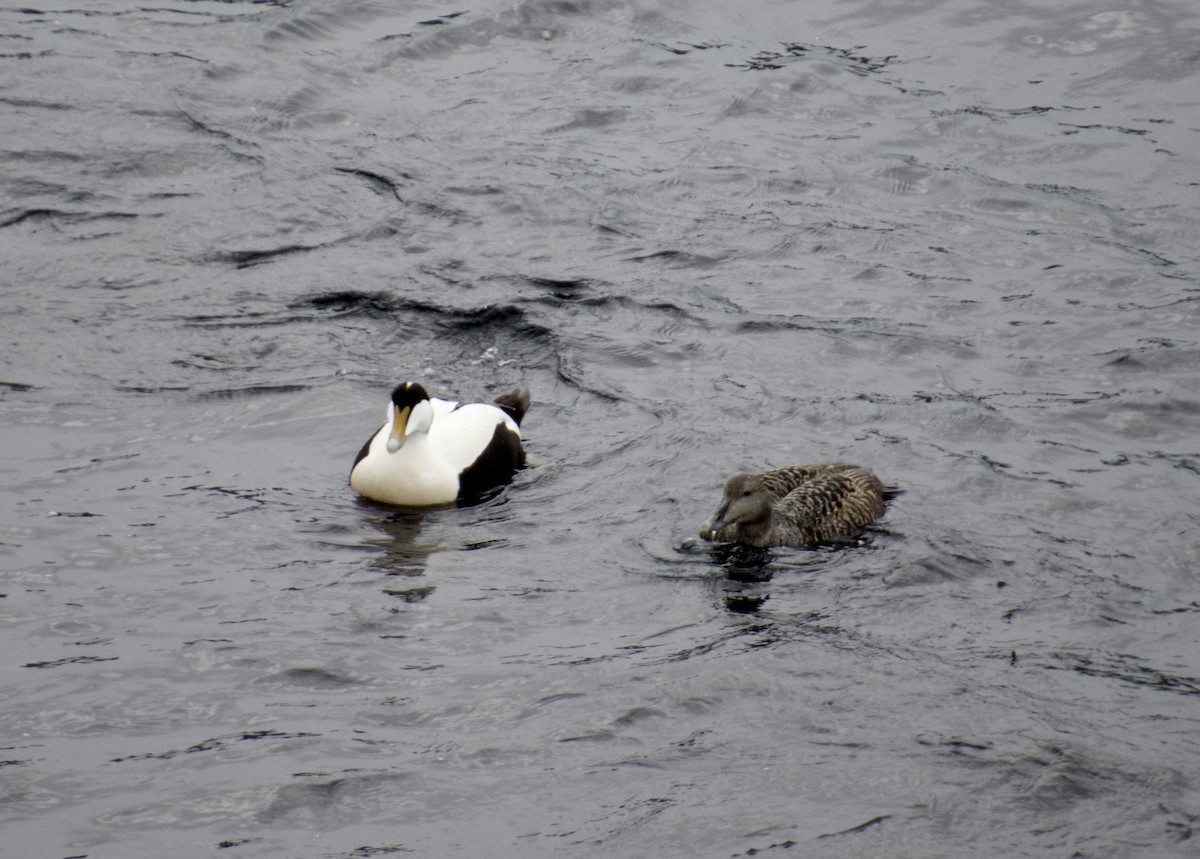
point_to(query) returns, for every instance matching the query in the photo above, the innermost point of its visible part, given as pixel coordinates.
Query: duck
(797, 506)
(432, 452)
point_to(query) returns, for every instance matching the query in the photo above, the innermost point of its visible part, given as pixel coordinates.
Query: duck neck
(754, 532)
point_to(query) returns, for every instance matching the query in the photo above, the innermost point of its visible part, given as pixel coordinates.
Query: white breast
(411, 476)
(425, 470)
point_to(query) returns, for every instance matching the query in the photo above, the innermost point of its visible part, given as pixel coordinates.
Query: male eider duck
(800, 506)
(432, 452)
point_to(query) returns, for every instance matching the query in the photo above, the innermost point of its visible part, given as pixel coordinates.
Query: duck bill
(399, 424)
(717, 520)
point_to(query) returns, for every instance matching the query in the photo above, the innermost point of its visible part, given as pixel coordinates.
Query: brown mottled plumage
(799, 506)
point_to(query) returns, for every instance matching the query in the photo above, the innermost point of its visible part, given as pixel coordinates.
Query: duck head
(410, 411)
(745, 502)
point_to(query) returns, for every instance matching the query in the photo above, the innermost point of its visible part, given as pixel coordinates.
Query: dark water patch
(753, 631)
(1063, 775)
(1191, 608)
(151, 389)
(658, 329)
(1139, 132)
(930, 277)
(1129, 670)
(70, 660)
(210, 129)
(250, 391)
(438, 42)
(227, 843)
(27, 55)
(1068, 780)
(679, 49)
(310, 677)
(440, 20)
(1153, 257)
(953, 558)
(999, 114)
(508, 319)
(588, 119)
(862, 827)
(314, 24)
(329, 802)
(247, 258)
(254, 496)
(573, 375)
(800, 322)
(678, 259)
(1184, 829)
(304, 107)
(383, 183)
(1141, 416)
(411, 595)
(351, 302)
(367, 851)
(843, 340)
(399, 551)
(217, 744)
(955, 745)
(565, 289)
(59, 216)
(849, 58)
(743, 563)
(475, 191)
(908, 178)
(1184, 462)
(504, 341)
(743, 603)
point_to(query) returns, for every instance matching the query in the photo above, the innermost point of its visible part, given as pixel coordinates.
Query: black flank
(500, 460)
(362, 454)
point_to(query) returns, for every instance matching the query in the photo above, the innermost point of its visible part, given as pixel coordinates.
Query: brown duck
(798, 505)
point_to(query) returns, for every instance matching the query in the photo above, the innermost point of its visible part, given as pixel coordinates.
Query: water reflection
(405, 538)
(402, 558)
(747, 572)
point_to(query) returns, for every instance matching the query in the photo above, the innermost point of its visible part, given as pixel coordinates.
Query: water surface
(951, 241)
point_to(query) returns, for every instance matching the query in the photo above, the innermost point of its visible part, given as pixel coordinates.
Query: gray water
(955, 242)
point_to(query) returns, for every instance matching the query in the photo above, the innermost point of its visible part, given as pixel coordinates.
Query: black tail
(515, 403)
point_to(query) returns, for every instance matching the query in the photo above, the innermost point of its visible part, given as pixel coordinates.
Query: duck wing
(459, 437)
(833, 505)
(780, 481)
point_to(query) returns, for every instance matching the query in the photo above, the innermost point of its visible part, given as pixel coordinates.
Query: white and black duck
(436, 452)
(800, 506)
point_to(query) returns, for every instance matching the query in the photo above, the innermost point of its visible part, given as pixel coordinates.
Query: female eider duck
(432, 452)
(800, 506)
